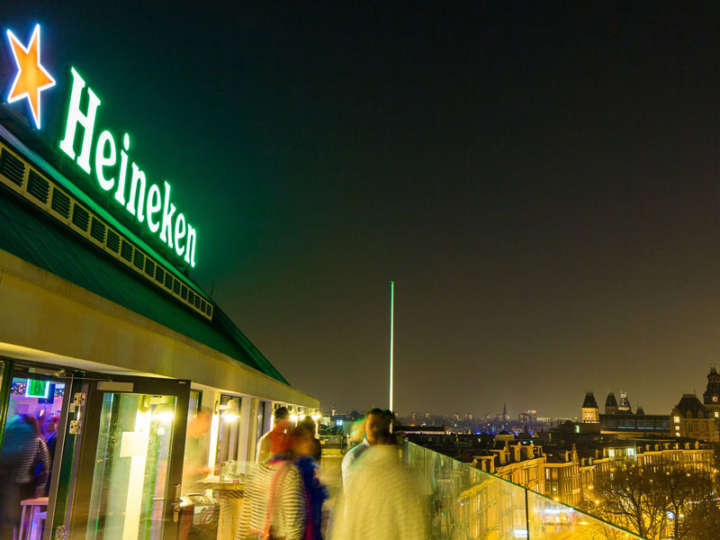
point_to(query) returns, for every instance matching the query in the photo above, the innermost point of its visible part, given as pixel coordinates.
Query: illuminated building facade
(521, 462)
(691, 419)
(711, 396)
(590, 410)
(619, 420)
(571, 473)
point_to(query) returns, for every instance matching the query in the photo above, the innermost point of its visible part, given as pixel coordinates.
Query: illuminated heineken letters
(120, 193)
(179, 234)
(167, 217)
(154, 205)
(86, 121)
(137, 188)
(147, 202)
(105, 156)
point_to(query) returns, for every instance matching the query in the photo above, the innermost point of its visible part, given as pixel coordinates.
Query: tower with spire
(624, 406)
(590, 409)
(711, 396)
(611, 405)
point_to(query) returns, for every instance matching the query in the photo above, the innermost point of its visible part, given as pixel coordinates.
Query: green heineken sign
(98, 152)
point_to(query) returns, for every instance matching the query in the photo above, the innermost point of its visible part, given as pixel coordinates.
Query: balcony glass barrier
(466, 503)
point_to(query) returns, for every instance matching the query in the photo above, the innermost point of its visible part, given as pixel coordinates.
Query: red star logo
(32, 78)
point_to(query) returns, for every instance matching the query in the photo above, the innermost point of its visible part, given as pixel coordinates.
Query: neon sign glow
(32, 78)
(37, 389)
(149, 203)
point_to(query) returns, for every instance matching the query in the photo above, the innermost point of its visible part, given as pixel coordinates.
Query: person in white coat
(383, 499)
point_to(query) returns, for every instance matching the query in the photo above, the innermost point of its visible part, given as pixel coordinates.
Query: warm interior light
(230, 417)
(164, 416)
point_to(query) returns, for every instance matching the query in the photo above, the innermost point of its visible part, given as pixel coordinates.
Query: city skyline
(541, 183)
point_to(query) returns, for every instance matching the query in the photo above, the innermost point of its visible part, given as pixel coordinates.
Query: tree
(683, 491)
(702, 522)
(650, 500)
(628, 496)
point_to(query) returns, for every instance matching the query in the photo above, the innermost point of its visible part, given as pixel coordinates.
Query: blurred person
(50, 434)
(197, 448)
(357, 436)
(35, 465)
(24, 465)
(274, 505)
(308, 424)
(382, 500)
(278, 435)
(377, 421)
(357, 432)
(304, 446)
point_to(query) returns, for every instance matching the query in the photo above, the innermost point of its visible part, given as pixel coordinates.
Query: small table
(38, 512)
(229, 495)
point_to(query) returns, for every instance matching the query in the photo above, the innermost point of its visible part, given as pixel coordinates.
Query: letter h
(75, 117)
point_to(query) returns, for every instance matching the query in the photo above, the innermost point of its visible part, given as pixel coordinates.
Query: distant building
(624, 405)
(621, 423)
(635, 425)
(711, 396)
(571, 473)
(611, 406)
(562, 476)
(590, 410)
(565, 468)
(528, 417)
(520, 462)
(692, 419)
(421, 430)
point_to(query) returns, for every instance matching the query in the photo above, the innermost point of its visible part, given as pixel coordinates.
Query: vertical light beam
(392, 338)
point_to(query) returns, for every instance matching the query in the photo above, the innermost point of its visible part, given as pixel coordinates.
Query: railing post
(527, 514)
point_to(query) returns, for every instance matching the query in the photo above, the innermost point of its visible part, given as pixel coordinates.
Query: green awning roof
(39, 240)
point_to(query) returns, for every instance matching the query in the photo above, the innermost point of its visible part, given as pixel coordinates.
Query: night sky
(541, 182)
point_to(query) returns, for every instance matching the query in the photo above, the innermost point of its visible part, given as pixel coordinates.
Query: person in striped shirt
(274, 505)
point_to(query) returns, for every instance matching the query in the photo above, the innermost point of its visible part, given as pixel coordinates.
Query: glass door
(130, 467)
(33, 408)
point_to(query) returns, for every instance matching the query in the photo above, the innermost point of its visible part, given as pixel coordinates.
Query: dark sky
(541, 182)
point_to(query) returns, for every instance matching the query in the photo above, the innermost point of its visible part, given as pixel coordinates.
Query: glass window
(228, 435)
(262, 407)
(129, 483)
(194, 404)
(197, 445)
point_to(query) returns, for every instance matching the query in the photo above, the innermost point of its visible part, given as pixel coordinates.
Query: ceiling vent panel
(46, 194)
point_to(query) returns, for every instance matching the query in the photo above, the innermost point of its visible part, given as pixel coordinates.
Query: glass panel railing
(466, 503)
